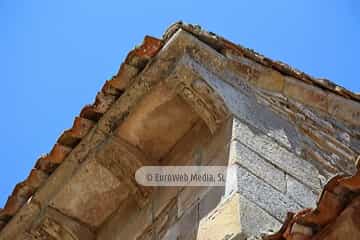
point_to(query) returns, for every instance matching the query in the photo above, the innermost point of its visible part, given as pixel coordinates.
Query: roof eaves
(134, 63)
(221, 44)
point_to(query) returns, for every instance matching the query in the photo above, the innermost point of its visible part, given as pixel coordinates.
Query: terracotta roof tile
(134, 63)
(80, 128)
(338, 193)
(86, 120)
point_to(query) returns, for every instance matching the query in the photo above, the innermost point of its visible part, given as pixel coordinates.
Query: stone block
(127, 222)
(236, 218)
(302, 194)
(241, 154)
(26, 214)
(255, 220)
(223, 222)
(345, 109)
(271, 80)
(276, 154)
(309, 95)
(54, 225)
(254, 189)
(158, 121)
(68, 168)
(92, 195)
(244, 105)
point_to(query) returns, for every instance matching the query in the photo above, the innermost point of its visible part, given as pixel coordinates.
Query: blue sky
(55, 55)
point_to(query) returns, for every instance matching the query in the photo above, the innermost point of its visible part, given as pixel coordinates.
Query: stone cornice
(185, 61)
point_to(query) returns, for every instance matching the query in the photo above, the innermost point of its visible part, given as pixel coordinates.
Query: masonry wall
(281, 155)
(175, 212)
(283, 140)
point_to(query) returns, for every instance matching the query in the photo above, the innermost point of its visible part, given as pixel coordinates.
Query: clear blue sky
(55, 55)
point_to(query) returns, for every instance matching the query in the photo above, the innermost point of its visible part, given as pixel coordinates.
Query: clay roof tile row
(82, 125)
(113, 88)
(337, 194)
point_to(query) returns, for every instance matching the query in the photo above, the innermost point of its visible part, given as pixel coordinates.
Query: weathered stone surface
(161, 223)
(171, 233)
(122, 160)
(158, 121)
(309, 95)
(300, 193)
(161, 197)
(243, 104)
(222, 223)
(257, 165)
(276, 154)
(166, 219)
(208, 197)
(236, 218)
(345, 109)
(68, 168)
(92, 185)
(327, 168)
(210, 200)
(200, 147)
(12, 231)
(56, 226)
(194, 89)
(271, 80)
(255, 220)
(189, 223)
(51, 230)
(127, 222)
(344, 156)
(197, 147)
(242, 67)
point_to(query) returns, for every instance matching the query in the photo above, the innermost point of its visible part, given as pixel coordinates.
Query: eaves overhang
(184, 60)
